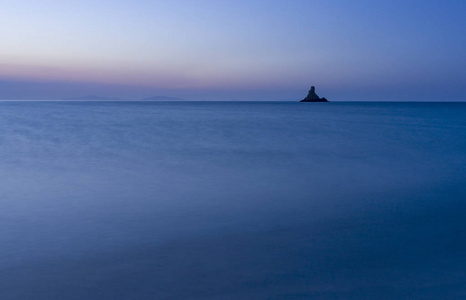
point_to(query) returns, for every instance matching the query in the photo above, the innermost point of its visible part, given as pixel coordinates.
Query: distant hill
(163, 98)
(92, 97)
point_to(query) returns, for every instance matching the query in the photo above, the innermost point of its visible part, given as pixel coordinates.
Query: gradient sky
(245, 50)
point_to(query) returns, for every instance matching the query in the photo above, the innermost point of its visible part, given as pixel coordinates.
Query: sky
(358, 50)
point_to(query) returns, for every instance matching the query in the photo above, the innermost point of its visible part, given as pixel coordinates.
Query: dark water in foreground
(120, 200)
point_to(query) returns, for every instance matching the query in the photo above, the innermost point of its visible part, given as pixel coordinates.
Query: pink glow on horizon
(176, 77)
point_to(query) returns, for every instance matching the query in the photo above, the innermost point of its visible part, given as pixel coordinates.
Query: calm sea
(218, 200)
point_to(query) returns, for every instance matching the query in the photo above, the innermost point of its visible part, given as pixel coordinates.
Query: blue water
(207, 200)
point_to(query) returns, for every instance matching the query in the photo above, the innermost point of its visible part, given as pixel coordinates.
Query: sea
(232, 200)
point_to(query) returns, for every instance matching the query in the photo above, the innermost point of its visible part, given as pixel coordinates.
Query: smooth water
(215, 200)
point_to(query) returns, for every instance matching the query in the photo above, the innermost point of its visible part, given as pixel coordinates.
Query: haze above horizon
(219, 50)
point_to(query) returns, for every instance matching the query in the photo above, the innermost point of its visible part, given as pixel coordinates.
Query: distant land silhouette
(312, 96)
(163, 98)
(92, 97)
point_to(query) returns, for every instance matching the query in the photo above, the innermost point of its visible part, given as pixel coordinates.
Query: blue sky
(245, 50)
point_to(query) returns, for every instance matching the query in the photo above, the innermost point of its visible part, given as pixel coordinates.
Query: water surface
(215, 200)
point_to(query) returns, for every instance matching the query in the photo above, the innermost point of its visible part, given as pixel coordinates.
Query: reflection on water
(120, 200)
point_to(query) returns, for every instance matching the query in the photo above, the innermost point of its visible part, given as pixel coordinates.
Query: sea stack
(312, 96)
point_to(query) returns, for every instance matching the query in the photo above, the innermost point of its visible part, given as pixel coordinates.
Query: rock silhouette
(312, 96)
